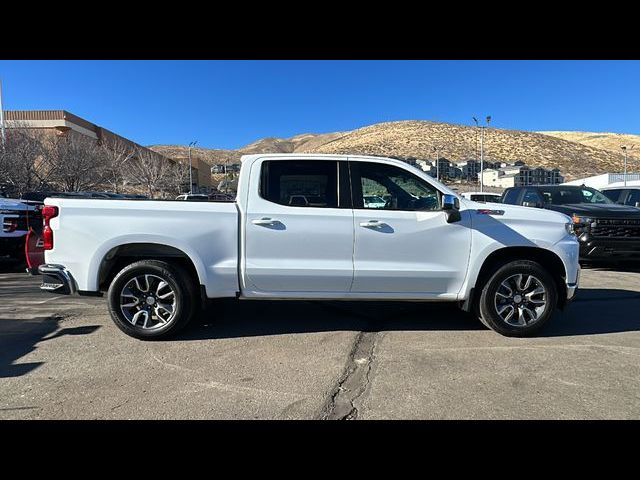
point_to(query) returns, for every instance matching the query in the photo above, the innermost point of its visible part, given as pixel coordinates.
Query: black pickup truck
(606, 230)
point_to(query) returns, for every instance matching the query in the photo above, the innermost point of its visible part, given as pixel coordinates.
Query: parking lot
(62, 358)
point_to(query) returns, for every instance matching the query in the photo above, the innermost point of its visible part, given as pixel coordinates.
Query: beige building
(201, 172)
(61, 122)
(520, 175)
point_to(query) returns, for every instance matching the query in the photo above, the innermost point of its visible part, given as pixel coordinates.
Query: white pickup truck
(300, 229)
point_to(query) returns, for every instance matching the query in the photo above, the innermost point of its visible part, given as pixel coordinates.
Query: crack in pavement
(354, 380)
(356, 377)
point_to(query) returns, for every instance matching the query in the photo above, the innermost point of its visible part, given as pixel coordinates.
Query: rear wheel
(151, 299)
(518, 299)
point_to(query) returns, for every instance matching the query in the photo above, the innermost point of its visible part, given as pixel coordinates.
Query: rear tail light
(10, 225)
(48, 212)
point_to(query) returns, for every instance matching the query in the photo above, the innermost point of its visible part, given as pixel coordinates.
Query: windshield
(571, 195)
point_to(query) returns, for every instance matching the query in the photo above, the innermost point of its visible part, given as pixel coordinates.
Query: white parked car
(482, 196)
(158, 261)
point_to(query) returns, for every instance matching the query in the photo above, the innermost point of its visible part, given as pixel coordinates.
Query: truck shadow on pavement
(19, 337)
(595, 311)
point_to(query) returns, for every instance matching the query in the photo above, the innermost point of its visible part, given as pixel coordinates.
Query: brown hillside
(415, 138)
(605, 141)
(458, 142)
(211, 156)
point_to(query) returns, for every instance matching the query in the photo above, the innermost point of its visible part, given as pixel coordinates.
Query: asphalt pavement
(62, 358)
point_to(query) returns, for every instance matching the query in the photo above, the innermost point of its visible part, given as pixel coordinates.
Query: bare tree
(21, 165)
(116, 155)
(178, 178)
(149, 169)
(75, 162)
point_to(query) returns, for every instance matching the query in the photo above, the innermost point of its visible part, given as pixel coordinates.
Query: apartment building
(520, 175)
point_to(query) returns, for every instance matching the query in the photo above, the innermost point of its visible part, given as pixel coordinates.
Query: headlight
(570, 228)
(581, 224)
(578, 220)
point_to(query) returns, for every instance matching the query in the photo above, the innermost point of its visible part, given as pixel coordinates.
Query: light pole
(624, 149)
(482, 148)
(435, 149)
(192, 144)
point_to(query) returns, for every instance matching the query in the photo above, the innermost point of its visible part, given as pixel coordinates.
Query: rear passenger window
(531, 196)
(300, 183)
(633, 198)
(613, 195)
(511, 196)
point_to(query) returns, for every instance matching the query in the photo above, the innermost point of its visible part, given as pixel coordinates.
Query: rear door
(299, 227)
(405, 247)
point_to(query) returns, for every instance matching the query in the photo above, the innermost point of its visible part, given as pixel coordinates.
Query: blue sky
(227, 104)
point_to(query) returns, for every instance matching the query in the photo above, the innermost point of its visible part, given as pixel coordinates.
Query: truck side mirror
(451, 208)
(637, 204)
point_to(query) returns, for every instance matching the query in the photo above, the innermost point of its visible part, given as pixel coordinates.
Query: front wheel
(519, 299)
(151, 299)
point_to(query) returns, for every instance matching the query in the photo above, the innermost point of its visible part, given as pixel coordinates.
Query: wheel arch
(546, 258)
(116, 258)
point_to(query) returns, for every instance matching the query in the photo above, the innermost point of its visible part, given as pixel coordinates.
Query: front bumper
(604, 248)
(572, 288)
(57, 279)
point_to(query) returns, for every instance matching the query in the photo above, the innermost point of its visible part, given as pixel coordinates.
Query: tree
(178, 178)
(21, 165)
(149, 169)
(75, 162)
(116, 155)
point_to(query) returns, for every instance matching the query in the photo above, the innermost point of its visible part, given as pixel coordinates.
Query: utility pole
(192, 144)
(435, 149)
(482, 127)
(4, 138)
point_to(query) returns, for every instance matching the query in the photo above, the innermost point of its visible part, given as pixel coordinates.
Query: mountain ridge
(576, 154)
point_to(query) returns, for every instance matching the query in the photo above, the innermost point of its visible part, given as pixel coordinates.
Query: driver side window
(386, 187)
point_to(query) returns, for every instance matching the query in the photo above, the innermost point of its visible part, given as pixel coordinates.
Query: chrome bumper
(572, 288)
(57, 279)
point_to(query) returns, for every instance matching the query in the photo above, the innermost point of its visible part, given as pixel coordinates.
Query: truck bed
(87, 230)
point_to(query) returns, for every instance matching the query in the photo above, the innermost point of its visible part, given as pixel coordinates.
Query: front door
(404, 245)
(299, 228)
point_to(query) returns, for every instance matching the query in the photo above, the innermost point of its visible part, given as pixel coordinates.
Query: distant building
(225, 168)
(469, 169)
(520, 175)
(61, 123)
(608, 180)
(201, 181)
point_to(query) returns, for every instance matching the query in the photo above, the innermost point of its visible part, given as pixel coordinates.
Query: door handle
(373, 224)
(264, 221)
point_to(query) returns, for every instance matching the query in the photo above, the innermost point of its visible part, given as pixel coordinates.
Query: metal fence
(619, 177)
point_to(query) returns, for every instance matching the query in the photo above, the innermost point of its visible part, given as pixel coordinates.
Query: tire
(145, 286)
(521, 312)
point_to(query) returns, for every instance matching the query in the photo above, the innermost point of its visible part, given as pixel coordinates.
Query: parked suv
(605, 229)
(623, 195)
